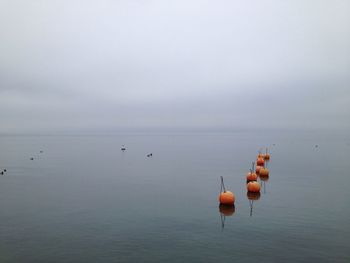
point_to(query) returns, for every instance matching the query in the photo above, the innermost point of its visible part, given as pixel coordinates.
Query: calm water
(83, 200)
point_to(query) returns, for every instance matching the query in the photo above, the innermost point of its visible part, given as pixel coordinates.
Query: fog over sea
(193, 89)
(82, 199)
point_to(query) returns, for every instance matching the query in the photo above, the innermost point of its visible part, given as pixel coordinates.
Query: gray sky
(79, 65)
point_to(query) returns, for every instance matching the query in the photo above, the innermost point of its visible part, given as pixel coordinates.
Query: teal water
(84, 200)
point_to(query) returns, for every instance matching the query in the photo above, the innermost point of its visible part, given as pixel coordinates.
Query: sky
(184, 65)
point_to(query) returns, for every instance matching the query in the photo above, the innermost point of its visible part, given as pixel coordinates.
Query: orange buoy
(257, 170)
(226, 197)
(264, 172)
(264, 178)
(260, 155)
(267, 156)
(227, 210)
(260, 161)
(253, 187)
(251, 176)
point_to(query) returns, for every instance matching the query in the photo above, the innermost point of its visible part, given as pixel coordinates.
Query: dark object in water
(227, 210)
(41, 151)
(32, 158)
(123, 148)
(5, 170)
(316, 146)
(149, 155)
(2, 173)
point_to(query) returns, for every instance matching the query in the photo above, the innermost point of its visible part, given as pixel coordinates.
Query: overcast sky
(109, 66)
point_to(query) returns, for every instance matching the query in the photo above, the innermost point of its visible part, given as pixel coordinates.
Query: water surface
(84, 200)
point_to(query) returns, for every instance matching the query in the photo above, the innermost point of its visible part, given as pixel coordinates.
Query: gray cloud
(118, 65)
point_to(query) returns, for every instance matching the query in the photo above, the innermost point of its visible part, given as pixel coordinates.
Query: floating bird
(149, 155)
(123, 148)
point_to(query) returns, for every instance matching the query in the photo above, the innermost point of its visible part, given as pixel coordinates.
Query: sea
(80, 198)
